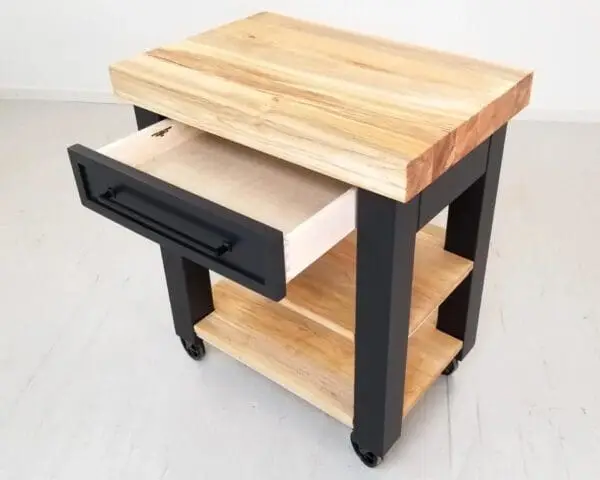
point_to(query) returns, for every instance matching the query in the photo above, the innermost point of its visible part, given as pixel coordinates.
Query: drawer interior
(312, 211)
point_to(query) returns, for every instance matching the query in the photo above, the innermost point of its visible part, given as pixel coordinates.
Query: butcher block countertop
(386, 117)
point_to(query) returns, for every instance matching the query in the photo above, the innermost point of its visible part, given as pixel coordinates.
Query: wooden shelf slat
(325, 291)
(306, 358)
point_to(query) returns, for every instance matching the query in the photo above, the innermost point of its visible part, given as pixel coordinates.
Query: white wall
(61, 48)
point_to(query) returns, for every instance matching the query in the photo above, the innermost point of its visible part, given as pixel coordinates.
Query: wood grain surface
(380, 115)
(306, 358)
(325, 291)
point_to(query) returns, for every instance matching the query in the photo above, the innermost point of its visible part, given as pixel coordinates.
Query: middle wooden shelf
(325, 292)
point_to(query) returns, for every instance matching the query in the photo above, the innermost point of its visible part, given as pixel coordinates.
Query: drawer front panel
(235, 246)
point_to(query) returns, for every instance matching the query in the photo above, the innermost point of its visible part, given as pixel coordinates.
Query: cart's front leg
(385, 254)
(188, 283)
(190, 294)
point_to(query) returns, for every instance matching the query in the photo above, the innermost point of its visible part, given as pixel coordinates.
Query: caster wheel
(451, 368)
(368, 458)
(195, 349)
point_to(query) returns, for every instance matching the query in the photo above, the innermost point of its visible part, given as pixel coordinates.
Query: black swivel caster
(368, 458)
(194, 349)
(451, 368)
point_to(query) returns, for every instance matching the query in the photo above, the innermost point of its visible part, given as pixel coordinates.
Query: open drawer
(250, 217)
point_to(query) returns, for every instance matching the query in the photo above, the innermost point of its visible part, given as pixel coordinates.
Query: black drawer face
(231, 244)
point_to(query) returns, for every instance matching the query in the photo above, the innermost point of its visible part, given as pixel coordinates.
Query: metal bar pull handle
(109, 200)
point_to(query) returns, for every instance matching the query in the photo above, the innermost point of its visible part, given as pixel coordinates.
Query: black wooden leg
(384, 271)
(145, 118)
(468, 234)
(190, 293)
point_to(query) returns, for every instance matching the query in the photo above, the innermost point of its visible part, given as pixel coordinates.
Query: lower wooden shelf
(310, 358)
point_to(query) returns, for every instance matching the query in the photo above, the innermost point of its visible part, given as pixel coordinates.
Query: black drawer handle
(108, 198)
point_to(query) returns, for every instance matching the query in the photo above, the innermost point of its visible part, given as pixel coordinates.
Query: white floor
(94, 385)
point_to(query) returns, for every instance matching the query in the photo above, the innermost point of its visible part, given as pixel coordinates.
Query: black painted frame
(145, 118)
(386, 236)
(190, 292)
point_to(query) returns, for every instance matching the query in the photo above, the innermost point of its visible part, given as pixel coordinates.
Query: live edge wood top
(380, 115)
